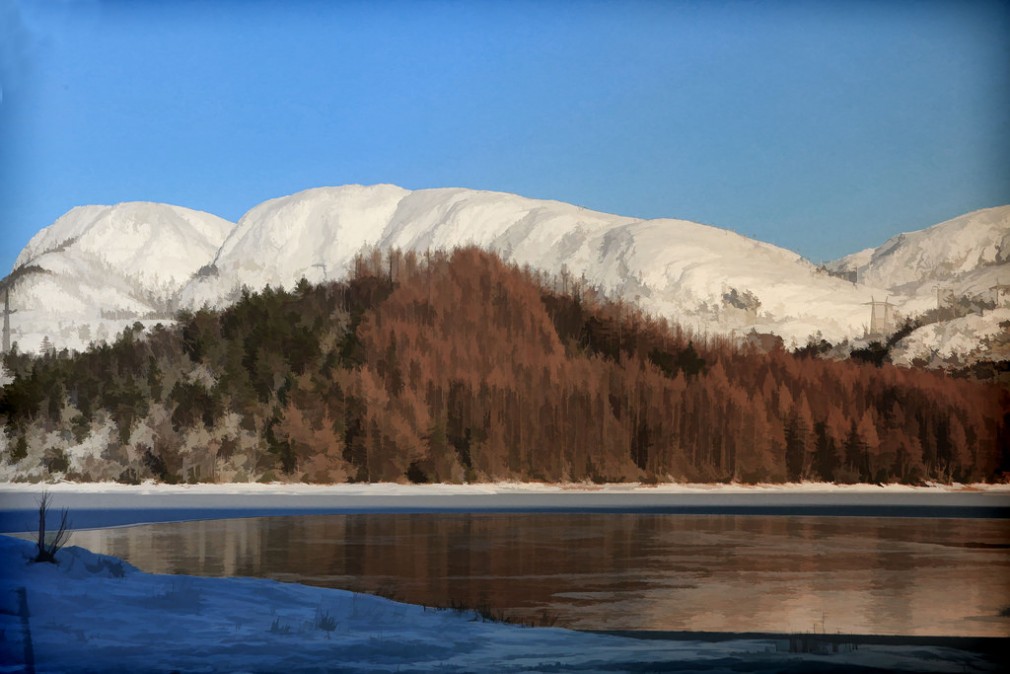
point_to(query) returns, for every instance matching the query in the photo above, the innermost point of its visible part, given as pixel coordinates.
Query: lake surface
(720, 573)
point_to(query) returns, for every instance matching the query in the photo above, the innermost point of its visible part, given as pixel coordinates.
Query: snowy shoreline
(99, 505)
(399, 489)
(96, 613)
(523, 494)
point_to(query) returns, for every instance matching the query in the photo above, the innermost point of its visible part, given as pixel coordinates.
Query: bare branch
(49, 544)
(62, 533)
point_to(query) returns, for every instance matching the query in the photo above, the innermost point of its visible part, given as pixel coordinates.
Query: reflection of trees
(709, 573)
(892, 567)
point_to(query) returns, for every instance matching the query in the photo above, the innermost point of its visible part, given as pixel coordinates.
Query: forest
(458, 367)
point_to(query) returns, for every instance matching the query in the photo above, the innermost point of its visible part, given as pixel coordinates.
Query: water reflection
(662, 572)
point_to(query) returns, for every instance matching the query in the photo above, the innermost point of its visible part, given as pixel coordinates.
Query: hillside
(98, 269)
(452, 368)
(943, 253)
(706, 277)
(82, 277)
(946, 273)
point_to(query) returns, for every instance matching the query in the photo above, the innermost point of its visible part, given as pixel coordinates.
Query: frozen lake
(717, 572)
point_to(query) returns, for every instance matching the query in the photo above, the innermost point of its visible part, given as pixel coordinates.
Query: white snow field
(673, 268)
(98, 268)
(966, 256)
(937, 254)
(105, 266)
(94, 613)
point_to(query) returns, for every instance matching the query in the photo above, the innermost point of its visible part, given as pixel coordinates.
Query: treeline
(452, 367)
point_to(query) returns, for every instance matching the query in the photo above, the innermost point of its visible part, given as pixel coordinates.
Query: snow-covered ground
(394, 489)
(97, 613)
(985, 335)
(114, 494)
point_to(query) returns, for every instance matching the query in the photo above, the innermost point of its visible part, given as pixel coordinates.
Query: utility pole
(937, 289)
(7, 321)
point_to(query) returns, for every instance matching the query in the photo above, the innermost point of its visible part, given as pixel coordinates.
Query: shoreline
(105, 505)
(401, 489)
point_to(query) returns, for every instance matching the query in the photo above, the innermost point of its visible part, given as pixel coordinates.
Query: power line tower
(943, 296)
(7, 321)
(1000, 288)
(881, 316)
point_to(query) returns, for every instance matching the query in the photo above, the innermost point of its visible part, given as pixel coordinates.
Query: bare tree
(49, 545)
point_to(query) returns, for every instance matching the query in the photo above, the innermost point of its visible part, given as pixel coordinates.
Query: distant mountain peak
(130, 236)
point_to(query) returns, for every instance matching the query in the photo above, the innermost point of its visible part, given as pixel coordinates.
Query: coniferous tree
(457, 366)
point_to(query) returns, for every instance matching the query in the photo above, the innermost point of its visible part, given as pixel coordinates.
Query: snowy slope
(97, 613)
(312, 234)
(157, 244)
(124, 261)
(680, 269)
(960, 258)
(941, 253)
(104, 266)
(959, 340)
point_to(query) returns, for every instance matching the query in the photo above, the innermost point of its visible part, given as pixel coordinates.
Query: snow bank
(393, 489)
(96, 613)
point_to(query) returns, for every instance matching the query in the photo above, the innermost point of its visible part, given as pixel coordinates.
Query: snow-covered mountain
(140, 259)
(957, 262)
(943, 253)
(98, 268)
(710, 278)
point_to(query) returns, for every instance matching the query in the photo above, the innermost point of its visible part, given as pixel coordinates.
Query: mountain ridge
(708, 278)
(677, 268)
(980, 238)
(123, 233)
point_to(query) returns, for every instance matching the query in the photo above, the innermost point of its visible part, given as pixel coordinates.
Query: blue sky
(824, 127)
